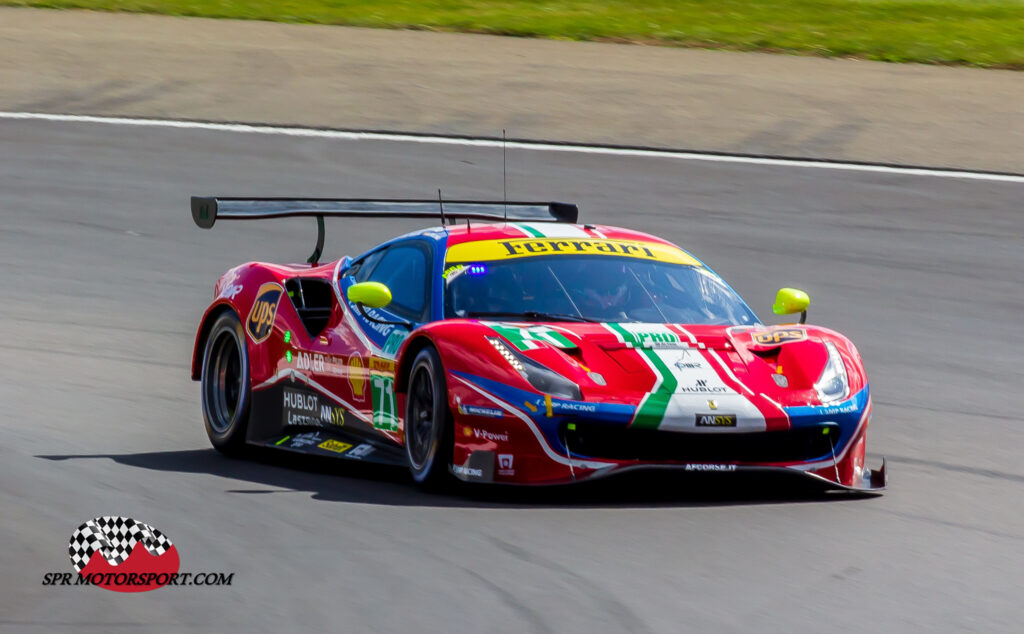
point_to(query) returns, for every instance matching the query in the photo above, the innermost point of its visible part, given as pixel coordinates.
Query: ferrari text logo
(485, 250)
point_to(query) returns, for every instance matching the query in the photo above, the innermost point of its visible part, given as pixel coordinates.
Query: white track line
(534, 146)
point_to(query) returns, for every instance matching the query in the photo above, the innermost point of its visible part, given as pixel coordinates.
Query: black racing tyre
(225, 384)
(429, 439)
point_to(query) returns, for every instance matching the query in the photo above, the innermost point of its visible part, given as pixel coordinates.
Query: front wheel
(225, 384)
(428, 421)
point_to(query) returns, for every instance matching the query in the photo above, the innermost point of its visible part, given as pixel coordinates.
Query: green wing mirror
(789, 301)
(372, 294)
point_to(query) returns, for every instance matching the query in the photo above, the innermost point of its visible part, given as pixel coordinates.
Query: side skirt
(334, 444)
(294, 416)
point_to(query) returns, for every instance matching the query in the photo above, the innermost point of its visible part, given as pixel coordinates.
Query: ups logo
(780, 335)
(716, 420)
(264, 310)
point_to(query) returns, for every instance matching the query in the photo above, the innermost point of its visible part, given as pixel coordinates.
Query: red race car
(520, 347)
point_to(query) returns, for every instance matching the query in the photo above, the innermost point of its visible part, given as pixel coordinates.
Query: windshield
(591, 288)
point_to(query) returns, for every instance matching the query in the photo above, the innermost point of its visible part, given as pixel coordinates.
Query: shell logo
(355, 375)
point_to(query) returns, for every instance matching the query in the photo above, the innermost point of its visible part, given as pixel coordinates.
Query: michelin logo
(487, 412)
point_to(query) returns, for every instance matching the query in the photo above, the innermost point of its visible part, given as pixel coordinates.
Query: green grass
(975, 32)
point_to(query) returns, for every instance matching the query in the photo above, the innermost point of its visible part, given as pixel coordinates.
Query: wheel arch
(411, 348)
(211, 316)
(244, 282)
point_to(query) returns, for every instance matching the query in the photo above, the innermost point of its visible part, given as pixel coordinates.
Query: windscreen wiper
(532, 314)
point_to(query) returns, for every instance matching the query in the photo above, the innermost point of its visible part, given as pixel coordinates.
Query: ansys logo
(117, 549)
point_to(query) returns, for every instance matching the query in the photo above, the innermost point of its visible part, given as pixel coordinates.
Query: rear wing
(207, 209)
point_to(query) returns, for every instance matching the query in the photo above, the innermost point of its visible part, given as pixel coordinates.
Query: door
(404, 268)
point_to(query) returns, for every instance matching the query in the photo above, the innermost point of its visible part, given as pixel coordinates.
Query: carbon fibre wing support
(207, 209)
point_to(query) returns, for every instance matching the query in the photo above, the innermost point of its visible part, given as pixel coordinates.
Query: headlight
(545, 380)
(833, 385)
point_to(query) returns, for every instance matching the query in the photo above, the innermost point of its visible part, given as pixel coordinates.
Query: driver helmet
(606, 286)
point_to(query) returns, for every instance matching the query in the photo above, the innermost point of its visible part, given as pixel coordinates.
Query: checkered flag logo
(114, 538)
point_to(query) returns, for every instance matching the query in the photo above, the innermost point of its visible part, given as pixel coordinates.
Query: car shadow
(332, 480)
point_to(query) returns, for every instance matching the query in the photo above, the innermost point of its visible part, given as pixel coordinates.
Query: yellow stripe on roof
(484, 250)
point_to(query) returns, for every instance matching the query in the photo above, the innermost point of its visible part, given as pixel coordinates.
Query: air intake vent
(312, 299)
(605, 441)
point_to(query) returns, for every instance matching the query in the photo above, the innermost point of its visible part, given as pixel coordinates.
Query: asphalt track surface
(105, 277)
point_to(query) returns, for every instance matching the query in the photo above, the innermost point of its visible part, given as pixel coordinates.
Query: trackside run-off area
(979, 33)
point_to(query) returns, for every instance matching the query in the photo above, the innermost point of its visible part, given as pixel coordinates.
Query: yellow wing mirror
(372, 294)
(789, 301)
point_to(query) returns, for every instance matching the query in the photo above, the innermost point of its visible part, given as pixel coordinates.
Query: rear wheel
(225, 384)
(428, 421)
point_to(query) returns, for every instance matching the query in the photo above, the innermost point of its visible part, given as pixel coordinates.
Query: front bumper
(546, 442)
(871, 481)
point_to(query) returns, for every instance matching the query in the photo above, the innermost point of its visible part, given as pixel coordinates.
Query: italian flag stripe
(652, 408)
(529, 230)
(551, 230)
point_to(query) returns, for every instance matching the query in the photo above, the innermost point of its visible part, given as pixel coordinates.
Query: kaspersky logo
(114, 549)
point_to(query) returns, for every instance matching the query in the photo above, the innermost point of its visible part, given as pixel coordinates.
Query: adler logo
(264, 310)
(716, 420)
(113, 549)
